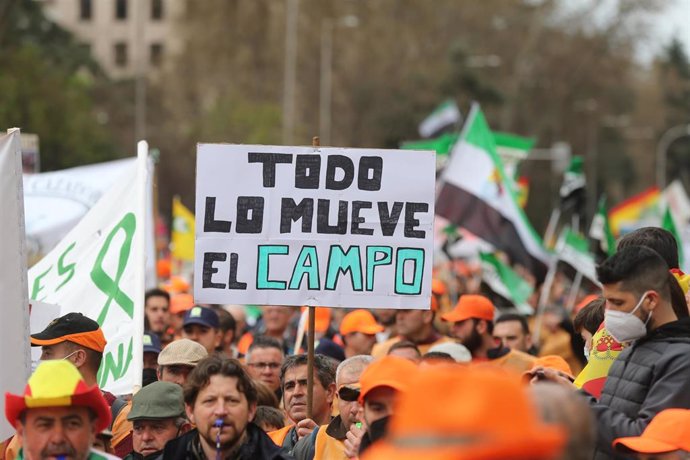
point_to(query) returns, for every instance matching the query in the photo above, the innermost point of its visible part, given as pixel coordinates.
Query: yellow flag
(182, 232)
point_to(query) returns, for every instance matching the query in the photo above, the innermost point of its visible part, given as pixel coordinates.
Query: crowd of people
(461, 380)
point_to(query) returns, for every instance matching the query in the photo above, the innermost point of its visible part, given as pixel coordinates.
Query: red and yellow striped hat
(57, 383)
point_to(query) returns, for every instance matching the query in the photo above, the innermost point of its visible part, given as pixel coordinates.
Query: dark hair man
(405, 349)
(473, 326)
(220, 400)
(156, 309)
(201, 325)
(293, 381)
(417, 326)
(512, 330)
(264, 358)
(652, 373)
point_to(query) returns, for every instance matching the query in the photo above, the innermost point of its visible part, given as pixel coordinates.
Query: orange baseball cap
(175, 285)
(72, 327)
(471, 306)
(584, 302)
(552, 362)
(389, 371)
(359, 321)
(322, 319)
(466, 413)
(669, 430)
(180, 303)
(438, 287)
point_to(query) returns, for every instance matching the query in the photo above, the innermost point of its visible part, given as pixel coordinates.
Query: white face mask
(586, 353)
(625, 327)
(35, 364)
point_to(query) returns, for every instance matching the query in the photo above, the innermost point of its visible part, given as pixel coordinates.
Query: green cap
(157, 401)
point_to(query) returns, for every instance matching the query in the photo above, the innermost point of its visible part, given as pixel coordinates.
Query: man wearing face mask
(653, 372)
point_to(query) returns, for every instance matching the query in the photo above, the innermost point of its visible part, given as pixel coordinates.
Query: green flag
(573, 249)
(600, 230)
(669, 224)
(506, 282)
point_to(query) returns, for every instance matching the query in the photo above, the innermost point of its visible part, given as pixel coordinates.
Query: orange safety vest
(327, 447)
(278, 436)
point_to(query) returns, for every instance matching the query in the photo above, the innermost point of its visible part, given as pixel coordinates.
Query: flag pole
(574, 289)
(310, 339)
(544, 298)
(140, 265)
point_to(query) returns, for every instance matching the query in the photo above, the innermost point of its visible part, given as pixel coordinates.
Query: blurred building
(125, 37)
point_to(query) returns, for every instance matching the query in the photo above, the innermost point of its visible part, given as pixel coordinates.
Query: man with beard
(417, 326)
(220, 400)
(472, 324)
(59, 414)
(293, 379)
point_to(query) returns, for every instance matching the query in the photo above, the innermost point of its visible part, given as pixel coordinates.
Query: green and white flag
(669, 223)
(512, 149)
(505, 282)
(477, 195)
(98, 270)
(573, 250)
(445, 115)
(600, 230)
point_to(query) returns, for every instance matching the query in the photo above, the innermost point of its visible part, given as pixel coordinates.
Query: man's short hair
(590, 316)
(638, 269)
(263, 341)
(323, 365)
(504, 318)
(227, 321)
(404, 344)
(156, 292)
(201, 375)
(353, 364)
(271, 416)
(662, 241)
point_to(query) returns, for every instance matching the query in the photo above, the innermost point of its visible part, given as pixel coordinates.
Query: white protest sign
(314, 226)
(14, 340)
(95, 270)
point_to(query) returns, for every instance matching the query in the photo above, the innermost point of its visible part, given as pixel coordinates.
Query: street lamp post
(668, 138)
(326, 80)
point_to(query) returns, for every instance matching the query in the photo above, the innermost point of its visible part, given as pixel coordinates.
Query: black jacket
(258, 446)
(651, 375)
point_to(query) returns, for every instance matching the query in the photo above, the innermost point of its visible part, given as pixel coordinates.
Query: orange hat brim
(94, 340)
(644, 445)
(369, 329)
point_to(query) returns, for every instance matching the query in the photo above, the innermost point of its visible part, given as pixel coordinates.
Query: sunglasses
(348, 394)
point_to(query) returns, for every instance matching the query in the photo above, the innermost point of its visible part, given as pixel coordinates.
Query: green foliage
(45, 88)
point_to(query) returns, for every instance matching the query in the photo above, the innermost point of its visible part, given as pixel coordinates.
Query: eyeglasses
(348, 394)
(271, 366)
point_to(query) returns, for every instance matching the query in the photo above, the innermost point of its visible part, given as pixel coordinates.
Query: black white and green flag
(506, 282)
(477, 195)
(445, 115)
(573, 250)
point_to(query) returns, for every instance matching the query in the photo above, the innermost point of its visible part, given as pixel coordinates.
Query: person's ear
(428, 316)
(653, 300)
(252, 411)
(481, 326)
(78, 358)
(190, 412)
(330, 393)
(218, 339)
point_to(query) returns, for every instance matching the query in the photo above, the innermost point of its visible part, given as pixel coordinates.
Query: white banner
(14, 335)
(56, 201)
(94, 271)
(314, 226)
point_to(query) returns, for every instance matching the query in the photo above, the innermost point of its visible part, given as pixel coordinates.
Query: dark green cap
(158, 400)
